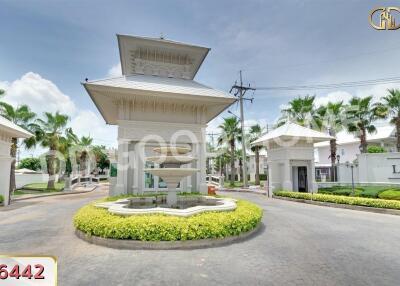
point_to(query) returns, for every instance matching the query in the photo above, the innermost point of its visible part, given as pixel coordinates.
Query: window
(342, 152)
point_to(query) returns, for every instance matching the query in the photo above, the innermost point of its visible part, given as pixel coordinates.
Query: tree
(360, 115)
(230, 132)
(30, 163)
(84, 142)
(332, 121)
(101, 157)
(21, 116)
(255, 132)
(390, 107)
(48, 133)
(302, 111)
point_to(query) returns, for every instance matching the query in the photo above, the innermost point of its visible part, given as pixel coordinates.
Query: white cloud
(86, 122)
(333, 97)
(115, 71)
(39, 93)
(376, 91)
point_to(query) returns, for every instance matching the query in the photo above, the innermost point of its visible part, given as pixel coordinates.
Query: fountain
(170, 160)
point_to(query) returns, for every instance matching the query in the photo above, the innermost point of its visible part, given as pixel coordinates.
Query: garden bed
(93, 221)
(357, 201)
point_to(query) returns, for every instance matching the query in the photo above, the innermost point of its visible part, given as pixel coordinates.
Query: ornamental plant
(99, 222)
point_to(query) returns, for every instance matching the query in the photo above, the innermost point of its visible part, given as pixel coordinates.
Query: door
(302, 179)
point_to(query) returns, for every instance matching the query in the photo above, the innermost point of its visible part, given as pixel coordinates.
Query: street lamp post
(352, 165)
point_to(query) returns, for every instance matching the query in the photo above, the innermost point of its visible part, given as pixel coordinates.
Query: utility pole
(240, 92)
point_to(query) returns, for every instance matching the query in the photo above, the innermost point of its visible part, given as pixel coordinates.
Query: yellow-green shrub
(358, 201)
(99, 222)
(392, 194)
(1, 199)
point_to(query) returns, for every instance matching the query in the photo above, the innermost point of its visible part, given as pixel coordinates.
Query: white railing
(215, 180)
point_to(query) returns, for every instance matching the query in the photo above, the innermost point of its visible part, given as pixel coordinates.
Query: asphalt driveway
(300, 245)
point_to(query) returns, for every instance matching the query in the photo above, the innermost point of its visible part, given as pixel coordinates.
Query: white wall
(24, 179)
(373, 169)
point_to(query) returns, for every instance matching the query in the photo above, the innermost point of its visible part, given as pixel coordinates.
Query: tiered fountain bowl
(170, 160)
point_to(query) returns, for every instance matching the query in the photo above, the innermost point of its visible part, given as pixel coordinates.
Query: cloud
(115, 71)
(42, 95)
(86, 122)
(376, 91)
(333, 97)
(39, 93)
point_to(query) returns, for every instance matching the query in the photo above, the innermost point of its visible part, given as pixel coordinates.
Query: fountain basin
(171, 176)
(171, 150)
(124, 207)
(167, 159)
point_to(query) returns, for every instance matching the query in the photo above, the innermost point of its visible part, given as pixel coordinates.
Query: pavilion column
(138, 163)
(313, 186)
(287, 176)
(122, 167)
(202, 182)
(5, 167)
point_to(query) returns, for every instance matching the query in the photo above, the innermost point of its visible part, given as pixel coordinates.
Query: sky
(47, 48)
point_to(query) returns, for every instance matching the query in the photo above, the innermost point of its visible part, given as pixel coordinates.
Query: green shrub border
(357, 201)
(99, 222)
(1, 199)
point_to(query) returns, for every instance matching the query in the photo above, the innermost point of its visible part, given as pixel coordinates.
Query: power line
(333, 85)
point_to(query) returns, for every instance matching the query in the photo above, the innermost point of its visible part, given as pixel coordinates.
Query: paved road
(300, 245)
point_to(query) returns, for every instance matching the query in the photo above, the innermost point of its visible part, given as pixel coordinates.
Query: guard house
(8, 130)
(156, 102)
(291, 157)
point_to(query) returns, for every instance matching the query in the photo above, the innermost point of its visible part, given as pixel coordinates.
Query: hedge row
(1, 199)
(358, 201)
(393, 194)
(99, 222)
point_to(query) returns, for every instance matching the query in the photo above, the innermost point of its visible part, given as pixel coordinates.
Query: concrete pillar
(138, 167)
(122, 168)
(287, 176)
(5, 168)
(202, 183)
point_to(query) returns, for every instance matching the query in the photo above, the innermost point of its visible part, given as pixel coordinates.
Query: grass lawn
(227, 184)
(42, 187)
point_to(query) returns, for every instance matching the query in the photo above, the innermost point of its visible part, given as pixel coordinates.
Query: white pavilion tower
(156, 102)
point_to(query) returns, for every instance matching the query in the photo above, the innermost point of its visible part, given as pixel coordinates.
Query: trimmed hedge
(366, 202)
(1, 199)
(99, 222)
(393, 194)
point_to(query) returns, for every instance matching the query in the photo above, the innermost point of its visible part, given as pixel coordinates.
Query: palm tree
(360, 115)
(49, 133)
(21, 116)
(390, 107)
(332, 121)
(255, 132)
(230, 133)
(84, 142)
(302, 111)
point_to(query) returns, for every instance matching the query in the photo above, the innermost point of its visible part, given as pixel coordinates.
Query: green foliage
(1, 199)
(113, 170)
(43, 187)
(30, 163)
(364, 191)
(366, 202)
(376, 149)
(392, 194)
(99, 222)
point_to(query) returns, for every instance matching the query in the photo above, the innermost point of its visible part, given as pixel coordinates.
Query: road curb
(53, 195)
(341, 206)
(241, 191)
(168, 245)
